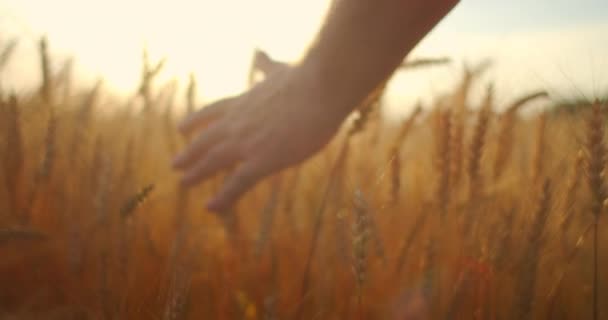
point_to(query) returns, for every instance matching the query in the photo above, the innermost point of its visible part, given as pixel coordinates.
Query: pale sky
(559, 45)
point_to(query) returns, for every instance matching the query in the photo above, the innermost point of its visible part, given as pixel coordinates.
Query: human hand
(278, 123)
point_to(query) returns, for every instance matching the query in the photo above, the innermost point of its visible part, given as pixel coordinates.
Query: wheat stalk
(410, 237)
(395, 152)
(539, 148)
(572, 186)
(148, 75)
(14, 156)
(268, 215)
(456, 142)
(178, 261)
(290, 197)
(45, 168)
(88, 104)
(531, 256)
(569, 259)
(46, 89)
(191, 94)
(65, 78)
(50, 142)
(330, 189)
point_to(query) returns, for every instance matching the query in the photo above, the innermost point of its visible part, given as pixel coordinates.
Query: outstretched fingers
(218, 158)
(199, 146)
(204, 116)
(238, 183)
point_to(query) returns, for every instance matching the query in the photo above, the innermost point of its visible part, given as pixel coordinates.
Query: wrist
(324, 86)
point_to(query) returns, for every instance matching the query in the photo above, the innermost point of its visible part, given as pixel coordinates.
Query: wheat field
(458, 212)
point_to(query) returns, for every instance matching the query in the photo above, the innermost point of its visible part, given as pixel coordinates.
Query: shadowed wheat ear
(595, 169)
(459, 107)
(367, 111)
(477, 146)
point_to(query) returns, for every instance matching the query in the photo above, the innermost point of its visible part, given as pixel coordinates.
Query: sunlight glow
(216, 39)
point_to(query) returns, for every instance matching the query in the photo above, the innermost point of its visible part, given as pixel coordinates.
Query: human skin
(296, 111)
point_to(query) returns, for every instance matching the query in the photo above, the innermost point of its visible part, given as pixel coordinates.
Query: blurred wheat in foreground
(460, 212)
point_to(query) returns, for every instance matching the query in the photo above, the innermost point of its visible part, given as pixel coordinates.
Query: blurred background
(464, 210)
(559, 46)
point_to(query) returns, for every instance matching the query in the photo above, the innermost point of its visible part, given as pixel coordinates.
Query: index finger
(204, 116)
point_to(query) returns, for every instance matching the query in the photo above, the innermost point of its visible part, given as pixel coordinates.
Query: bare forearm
(364, 41)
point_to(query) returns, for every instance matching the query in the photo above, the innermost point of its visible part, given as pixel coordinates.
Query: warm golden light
(216, 39)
